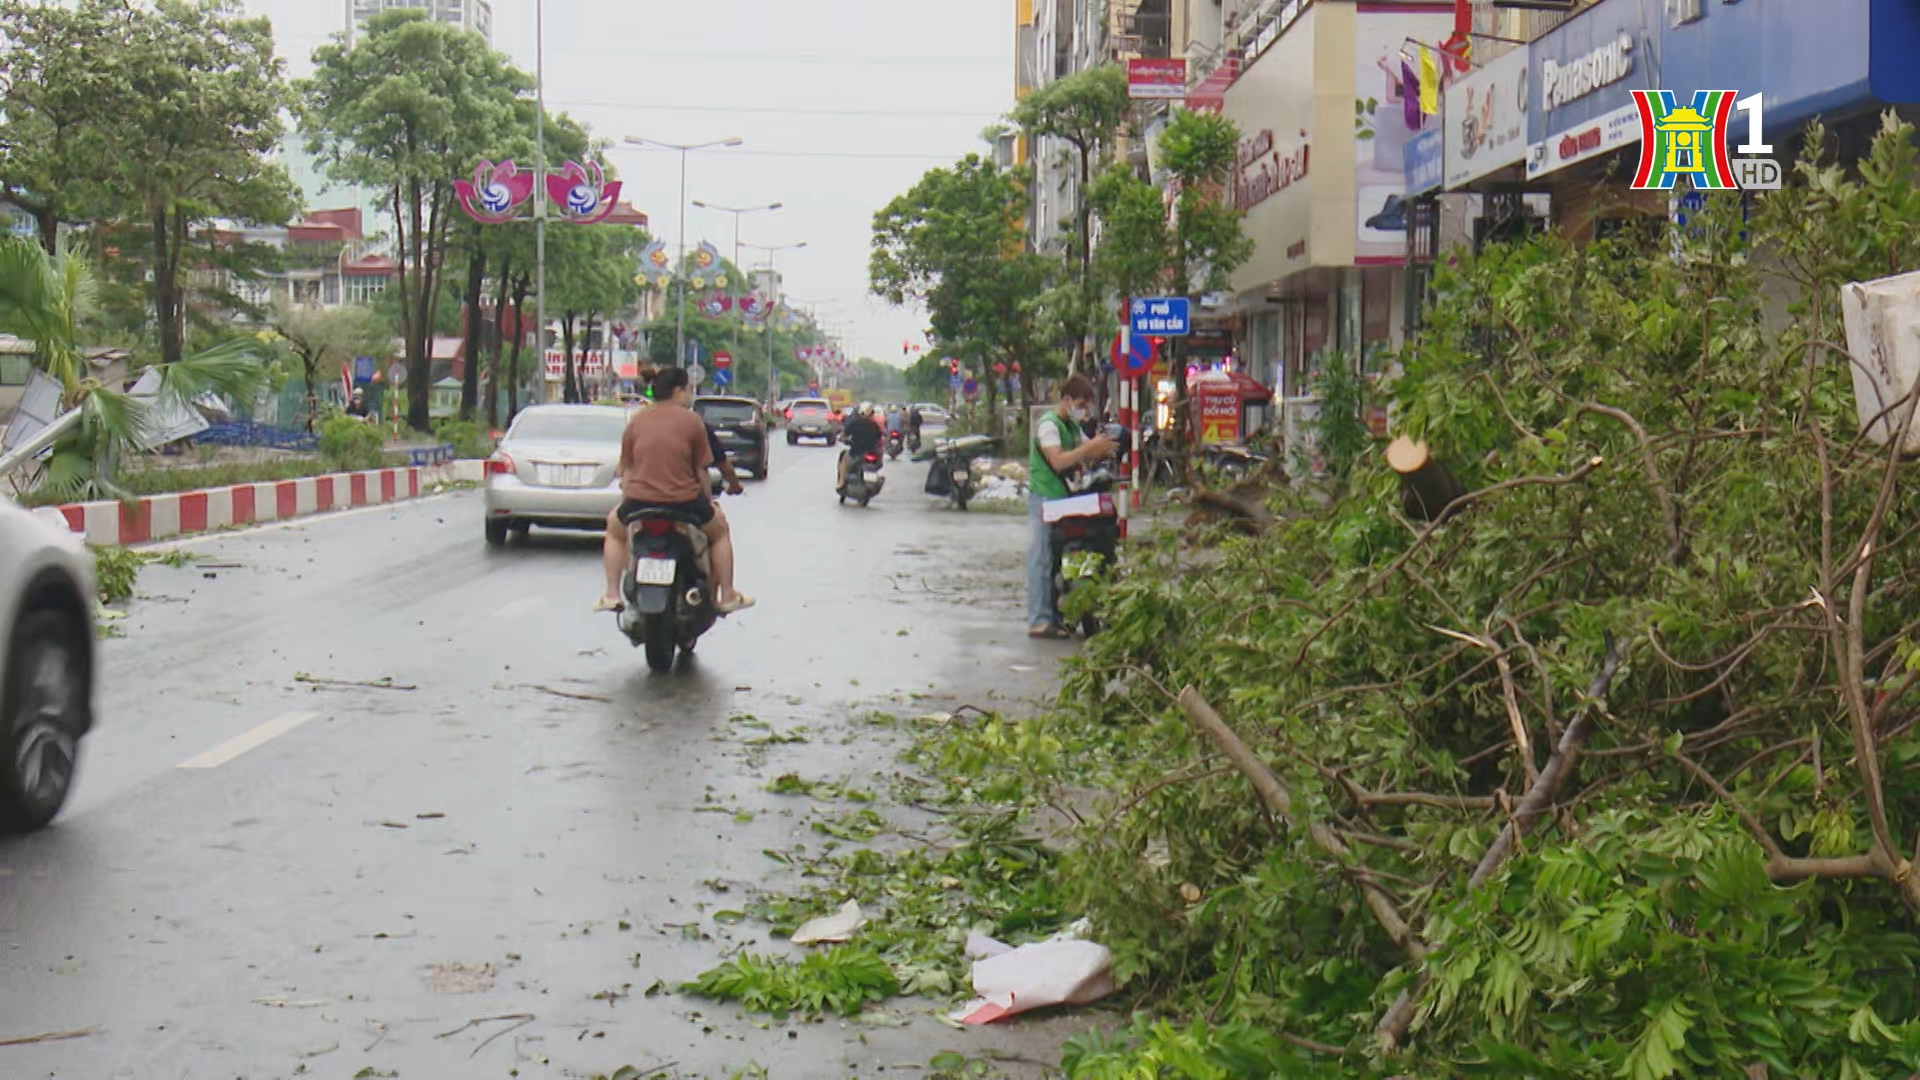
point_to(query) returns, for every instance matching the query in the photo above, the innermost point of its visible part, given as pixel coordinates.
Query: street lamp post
(773, 371)
(738, 212)
(680, 267)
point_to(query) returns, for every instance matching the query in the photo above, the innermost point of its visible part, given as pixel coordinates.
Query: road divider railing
(186, 513)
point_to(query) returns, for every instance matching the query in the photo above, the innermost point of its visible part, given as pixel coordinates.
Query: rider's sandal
(604, 604)
(740, 602)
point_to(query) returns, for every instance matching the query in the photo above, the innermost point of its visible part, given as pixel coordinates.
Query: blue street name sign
(1165, 316)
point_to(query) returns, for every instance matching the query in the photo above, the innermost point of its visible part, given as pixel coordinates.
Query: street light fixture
(773, 373)
(680, 267)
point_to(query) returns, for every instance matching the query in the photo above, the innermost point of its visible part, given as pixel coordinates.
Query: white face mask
(1080, 413)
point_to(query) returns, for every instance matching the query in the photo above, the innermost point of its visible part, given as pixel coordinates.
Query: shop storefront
(1839, 60)
(1322, 180)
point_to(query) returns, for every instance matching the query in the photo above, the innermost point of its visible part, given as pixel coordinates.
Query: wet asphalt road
(257, 877)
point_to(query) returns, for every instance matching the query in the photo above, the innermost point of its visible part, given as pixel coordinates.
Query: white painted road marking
(251, 740)
(521, 607)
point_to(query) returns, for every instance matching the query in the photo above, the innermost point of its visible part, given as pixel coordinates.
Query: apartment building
(475, 15)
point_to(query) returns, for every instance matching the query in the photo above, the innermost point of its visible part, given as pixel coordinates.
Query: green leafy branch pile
(1610, 771)
(840, 981)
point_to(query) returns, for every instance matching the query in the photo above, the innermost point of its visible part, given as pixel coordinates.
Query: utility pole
(539, 191)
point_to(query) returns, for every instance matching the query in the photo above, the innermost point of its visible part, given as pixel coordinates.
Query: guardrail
(249, 433)
(431, 455)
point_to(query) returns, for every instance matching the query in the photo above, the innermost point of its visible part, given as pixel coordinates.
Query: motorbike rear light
(1073, 530)
(656, 527)
(499, 465)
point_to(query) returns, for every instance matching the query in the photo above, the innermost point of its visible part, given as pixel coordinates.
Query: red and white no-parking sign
(723, 361)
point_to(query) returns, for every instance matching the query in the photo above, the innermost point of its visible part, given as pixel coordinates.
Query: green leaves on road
(839, 981)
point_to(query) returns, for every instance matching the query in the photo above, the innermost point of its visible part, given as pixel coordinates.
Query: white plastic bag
(1061, 971)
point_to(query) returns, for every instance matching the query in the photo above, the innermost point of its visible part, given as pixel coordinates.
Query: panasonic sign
(1564, 83)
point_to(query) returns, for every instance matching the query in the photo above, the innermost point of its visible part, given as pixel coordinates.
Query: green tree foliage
(406, 111)
(1088, 111)
(1135, 253)
(1609, 774)
(955, 243)
(589, 281)
(321, 339)
(159, 116)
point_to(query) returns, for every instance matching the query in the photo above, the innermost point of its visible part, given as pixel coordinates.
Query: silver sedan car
(46, 665)
(555, 468)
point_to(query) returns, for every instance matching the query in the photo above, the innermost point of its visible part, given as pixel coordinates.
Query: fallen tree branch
(50, 1036)
(319, 681)
(1274, 794)
(1427, 533)
(1392, 1029)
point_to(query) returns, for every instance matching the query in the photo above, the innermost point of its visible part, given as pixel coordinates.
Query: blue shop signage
(1582, 78)
(1426, 160)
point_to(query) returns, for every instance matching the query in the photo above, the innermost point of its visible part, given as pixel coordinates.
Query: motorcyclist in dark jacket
(862, 434)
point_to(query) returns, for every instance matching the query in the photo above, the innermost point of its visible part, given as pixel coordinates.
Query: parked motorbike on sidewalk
(668, 585)
(951, 474)
(1084, 530)
(863, 478)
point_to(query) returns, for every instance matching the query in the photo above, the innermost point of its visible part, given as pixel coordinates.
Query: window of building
(362, 290)
(330, 290)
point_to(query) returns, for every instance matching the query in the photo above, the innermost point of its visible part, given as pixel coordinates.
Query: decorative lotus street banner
(716, 305)
(707, 269)
(754, 308)
(497, 193)
(785, 318)
(583, 193)
(656, 266)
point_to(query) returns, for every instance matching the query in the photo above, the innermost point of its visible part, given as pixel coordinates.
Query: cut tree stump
(1426, 486)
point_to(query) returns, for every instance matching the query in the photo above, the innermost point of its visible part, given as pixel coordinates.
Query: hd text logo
(1691, 141)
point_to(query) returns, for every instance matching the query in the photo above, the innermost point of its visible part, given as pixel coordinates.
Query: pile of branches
(1607, 770)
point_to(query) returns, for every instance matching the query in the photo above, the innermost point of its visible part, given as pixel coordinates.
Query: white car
(933, 414)
(46, 665)
(555, 469)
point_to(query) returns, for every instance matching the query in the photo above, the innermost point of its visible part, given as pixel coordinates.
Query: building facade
(475, 15)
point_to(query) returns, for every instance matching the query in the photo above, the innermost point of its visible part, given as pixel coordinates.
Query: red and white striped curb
(160, 517)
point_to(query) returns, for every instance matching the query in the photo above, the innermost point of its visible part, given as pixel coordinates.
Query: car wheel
(520, 529)
(792, 439)
(497, 531)
(41, 719)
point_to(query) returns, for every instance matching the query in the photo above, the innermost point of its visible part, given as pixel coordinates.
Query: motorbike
(863, 477)
(895, 443)
(951, 474)
(1084, 530)
(913, 441)
(668, 585)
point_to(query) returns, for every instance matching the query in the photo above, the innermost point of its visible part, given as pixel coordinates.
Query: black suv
(743, 430)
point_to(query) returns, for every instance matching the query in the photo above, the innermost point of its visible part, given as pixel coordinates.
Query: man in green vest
(1057, 452)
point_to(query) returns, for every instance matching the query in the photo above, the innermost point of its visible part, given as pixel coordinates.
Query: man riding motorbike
(664, 456)
(1057, 452)
(862, 434)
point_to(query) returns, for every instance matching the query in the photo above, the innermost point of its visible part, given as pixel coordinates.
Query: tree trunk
(48, 223)
(569, 386)
(166, 296)
(476, 281)
(407, 221)
(499, 341)
(1426, 487)
(1077, 349)
(310, 362)
(586, 351)
(521, 285)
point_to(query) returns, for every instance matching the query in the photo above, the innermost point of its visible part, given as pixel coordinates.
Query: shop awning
(1249, 388)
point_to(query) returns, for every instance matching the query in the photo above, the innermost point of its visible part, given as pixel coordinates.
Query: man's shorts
(697, 513)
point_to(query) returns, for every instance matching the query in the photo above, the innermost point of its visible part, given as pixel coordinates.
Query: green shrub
(348, 444)
(468, 438)
(115, 572)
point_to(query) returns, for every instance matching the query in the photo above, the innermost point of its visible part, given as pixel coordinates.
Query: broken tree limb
(1257, 516)
(50, 1036)
(1392, 1029)
(1277, 798)
(1426, 487)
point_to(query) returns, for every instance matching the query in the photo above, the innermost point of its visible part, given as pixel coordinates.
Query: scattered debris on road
(448, 978)
(50, 1036)
(320, 682)
(831, 929)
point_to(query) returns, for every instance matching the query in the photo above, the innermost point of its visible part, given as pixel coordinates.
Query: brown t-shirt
(664, 455)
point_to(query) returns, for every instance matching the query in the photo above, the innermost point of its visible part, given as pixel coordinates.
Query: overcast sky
(811, 85)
